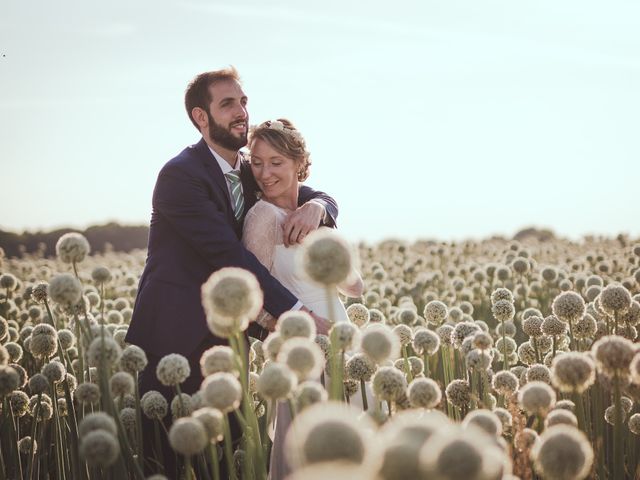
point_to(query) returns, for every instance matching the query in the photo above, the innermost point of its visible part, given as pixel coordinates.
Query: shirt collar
(224, 165)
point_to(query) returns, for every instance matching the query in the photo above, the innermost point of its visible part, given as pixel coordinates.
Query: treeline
(111, 236)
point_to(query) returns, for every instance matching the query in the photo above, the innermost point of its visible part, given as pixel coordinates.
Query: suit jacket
(193, 233)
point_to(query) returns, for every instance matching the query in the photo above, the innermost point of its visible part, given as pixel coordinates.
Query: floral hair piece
(280, 127)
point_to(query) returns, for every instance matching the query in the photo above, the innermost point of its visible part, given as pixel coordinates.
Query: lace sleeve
(260, 233)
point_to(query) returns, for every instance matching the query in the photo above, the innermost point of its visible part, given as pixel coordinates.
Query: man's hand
(322, 324)
(298, 224)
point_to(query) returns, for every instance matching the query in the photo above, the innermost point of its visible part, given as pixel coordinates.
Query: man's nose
(241, 111)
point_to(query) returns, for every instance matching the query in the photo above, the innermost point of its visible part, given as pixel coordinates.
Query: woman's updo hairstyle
(283, 137)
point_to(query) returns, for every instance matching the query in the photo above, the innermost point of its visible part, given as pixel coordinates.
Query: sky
(447, 119)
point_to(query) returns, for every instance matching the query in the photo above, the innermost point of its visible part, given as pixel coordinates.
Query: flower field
(491, 359)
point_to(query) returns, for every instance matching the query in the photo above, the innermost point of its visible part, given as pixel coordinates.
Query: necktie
(237, 200)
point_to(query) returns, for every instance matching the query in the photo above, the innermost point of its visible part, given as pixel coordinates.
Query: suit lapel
(249, 185)
(214, 171)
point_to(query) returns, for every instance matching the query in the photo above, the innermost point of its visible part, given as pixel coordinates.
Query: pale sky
(425, 119)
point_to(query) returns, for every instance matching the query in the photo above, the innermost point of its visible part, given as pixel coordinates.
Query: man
(199, 202)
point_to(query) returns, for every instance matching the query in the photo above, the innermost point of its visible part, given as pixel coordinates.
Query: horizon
(424, 120)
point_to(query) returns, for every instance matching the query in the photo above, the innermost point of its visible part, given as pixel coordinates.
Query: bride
(279, 162)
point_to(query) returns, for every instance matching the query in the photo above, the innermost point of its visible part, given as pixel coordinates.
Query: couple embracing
(215, 207)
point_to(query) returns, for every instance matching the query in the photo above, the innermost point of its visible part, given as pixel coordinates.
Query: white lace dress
(262, 236)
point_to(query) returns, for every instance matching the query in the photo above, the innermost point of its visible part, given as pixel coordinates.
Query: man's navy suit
(194, 233)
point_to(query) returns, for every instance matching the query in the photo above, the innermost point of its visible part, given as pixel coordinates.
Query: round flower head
(97, 421)
(213, 422)
(615, 299)
(187, 436)
(463, 330)
(44, 341)
(532, 326)
(360, 367)
(563, 452)
(325, 257)
(538, 373)
(9, 380)
(72, 247)
(505, 383)
(154, 405)
(376, 316)
(218, 359)
(507, 344)
(4, 329)
(121, 383)
(613, 354)
(482, 341)
(485, 420)
(380, 343)
(455, 453)
(424, 393)
(525, 439)
(444, 332)
(425, 342)
(328, 432)
(54, 371)
(296, 323)
(634, 424)
(559, 416)
(309, 393)
(458, 393)
(537, 398)
(503, 310)
(435, 312)
(19, 403)
(221, 390)
(87, 393)
(388, 383)
(99, 448)
(416, 365)
(358, 314)
(553, 326)
(65, 289)
(101, 275)
(478, 360)
(504, 416)
(501, 294)
(8, 281)
(39, 293)
(67, 338)
(272, 345)
(609, 415)
(404, 334)
(231, 298)
(573, 372)
(13, 352)
(303, 356)
(276, 381)
(133, 359)
(173, 369)
(585, 327)
(568, 306)
(344, 336)
(107, 349)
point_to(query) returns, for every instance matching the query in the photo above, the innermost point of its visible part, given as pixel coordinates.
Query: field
(488, 359)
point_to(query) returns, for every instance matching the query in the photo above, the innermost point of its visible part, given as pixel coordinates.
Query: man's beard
(223, 136)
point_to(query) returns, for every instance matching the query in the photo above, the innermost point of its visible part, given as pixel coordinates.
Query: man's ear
(200, 116)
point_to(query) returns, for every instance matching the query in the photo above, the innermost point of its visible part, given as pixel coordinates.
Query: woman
(280, 161)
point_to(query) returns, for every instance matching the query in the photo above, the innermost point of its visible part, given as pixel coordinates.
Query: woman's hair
(283, 137)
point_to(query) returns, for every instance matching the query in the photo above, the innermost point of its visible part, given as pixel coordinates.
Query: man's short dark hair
(198, 95)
